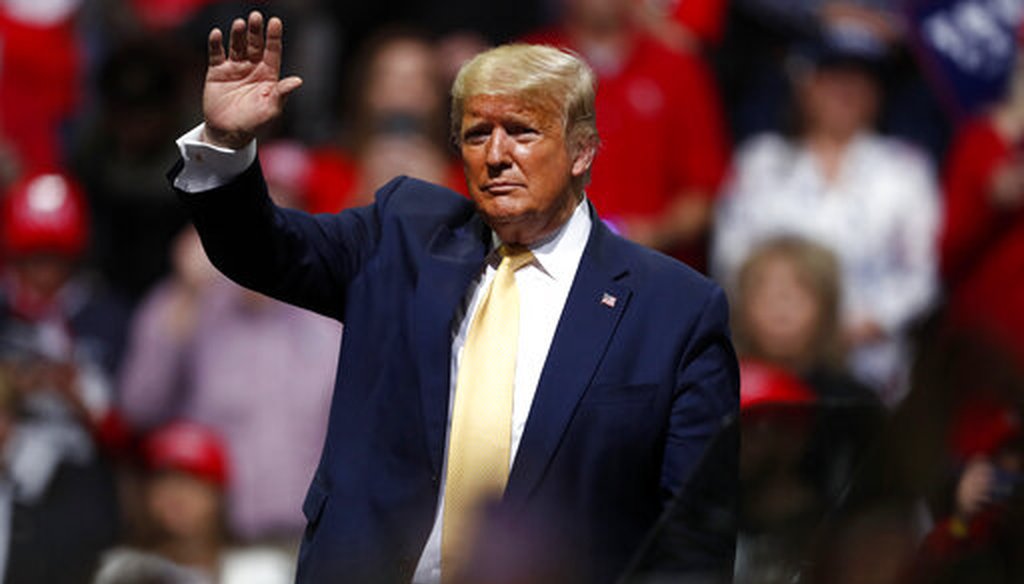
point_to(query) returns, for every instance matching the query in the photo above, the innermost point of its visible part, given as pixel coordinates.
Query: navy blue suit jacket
(631, 394)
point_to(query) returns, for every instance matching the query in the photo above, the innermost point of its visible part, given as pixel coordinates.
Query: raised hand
(243, 90)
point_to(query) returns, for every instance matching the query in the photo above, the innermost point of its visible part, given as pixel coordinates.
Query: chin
(504, 218)
(502, 212)
(512, 227)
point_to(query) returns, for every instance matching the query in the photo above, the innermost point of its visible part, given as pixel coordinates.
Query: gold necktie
(481, 434)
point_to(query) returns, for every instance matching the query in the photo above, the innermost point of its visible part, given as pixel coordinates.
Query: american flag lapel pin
(608, 300)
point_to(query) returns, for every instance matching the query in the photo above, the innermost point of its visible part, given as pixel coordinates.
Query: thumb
(287, 85)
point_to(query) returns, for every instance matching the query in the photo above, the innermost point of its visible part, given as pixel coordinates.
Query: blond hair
(556, 81)
(818, 271)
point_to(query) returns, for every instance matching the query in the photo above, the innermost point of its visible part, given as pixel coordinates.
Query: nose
(499, 154)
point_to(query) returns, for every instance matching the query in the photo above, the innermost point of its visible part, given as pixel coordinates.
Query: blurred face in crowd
(43, 274)
(454, 50)
(782, 313)
(839, 101)
(386, 156)
(519, 170)
(600, 14)
(184, 507)
(404, 77)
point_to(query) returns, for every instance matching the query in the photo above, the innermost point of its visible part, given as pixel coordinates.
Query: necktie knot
(516, 256)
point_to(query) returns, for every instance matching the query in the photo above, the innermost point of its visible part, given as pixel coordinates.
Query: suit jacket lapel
(454, 256)
(595, 304)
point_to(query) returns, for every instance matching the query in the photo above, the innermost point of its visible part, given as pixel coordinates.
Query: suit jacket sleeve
(299, 258)
(697, 530)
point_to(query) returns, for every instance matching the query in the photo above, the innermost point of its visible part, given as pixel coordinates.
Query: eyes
(477, 135)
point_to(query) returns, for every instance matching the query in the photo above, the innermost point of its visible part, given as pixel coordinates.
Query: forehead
(773, 267)
(501, 108)
(403, 55)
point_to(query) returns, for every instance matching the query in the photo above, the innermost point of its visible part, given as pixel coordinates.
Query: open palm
(243, 90)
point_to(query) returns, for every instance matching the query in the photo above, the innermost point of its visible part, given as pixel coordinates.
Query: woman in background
(869, 199)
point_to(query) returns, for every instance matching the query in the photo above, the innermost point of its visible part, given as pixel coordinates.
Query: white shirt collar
(559, 255)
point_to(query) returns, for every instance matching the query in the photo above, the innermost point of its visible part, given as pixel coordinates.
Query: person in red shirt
(685, 25)
(40, 63)
(982, 239)
(980, 527)
(664, 149)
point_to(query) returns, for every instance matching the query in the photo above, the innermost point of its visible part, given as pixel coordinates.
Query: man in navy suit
(624, 371)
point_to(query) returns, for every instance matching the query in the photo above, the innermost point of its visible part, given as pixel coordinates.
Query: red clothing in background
(982, 245)
(39, 75)
(662, 133)
(704, 18)
(331, 183)
(164, 15)
(334, 182)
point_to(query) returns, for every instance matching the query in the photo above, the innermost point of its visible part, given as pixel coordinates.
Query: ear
(583, 158)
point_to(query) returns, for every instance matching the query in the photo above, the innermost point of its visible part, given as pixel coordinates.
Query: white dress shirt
(208, 166)
(543, 289)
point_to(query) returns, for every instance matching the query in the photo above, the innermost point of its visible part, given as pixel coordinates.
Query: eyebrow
(475, 127)
(521, 119)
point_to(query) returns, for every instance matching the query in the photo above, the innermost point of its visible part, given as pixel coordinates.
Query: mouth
(501, 188)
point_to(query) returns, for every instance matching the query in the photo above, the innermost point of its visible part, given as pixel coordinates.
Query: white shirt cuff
(207, 166)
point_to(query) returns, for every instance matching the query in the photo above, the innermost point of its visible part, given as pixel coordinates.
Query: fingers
(275, 32)
(247, 42)
(254, 51)
(237, 40)
(215, 50)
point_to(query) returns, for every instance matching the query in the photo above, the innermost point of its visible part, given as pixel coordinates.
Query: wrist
(225, 139)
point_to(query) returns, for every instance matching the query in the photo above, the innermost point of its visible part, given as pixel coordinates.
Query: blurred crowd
(159, 423)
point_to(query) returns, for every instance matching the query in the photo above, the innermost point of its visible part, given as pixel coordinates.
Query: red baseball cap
(763, 385)
(187, 447)
(44, 212)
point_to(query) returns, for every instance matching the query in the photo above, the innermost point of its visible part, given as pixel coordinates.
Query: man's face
(518, 167)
